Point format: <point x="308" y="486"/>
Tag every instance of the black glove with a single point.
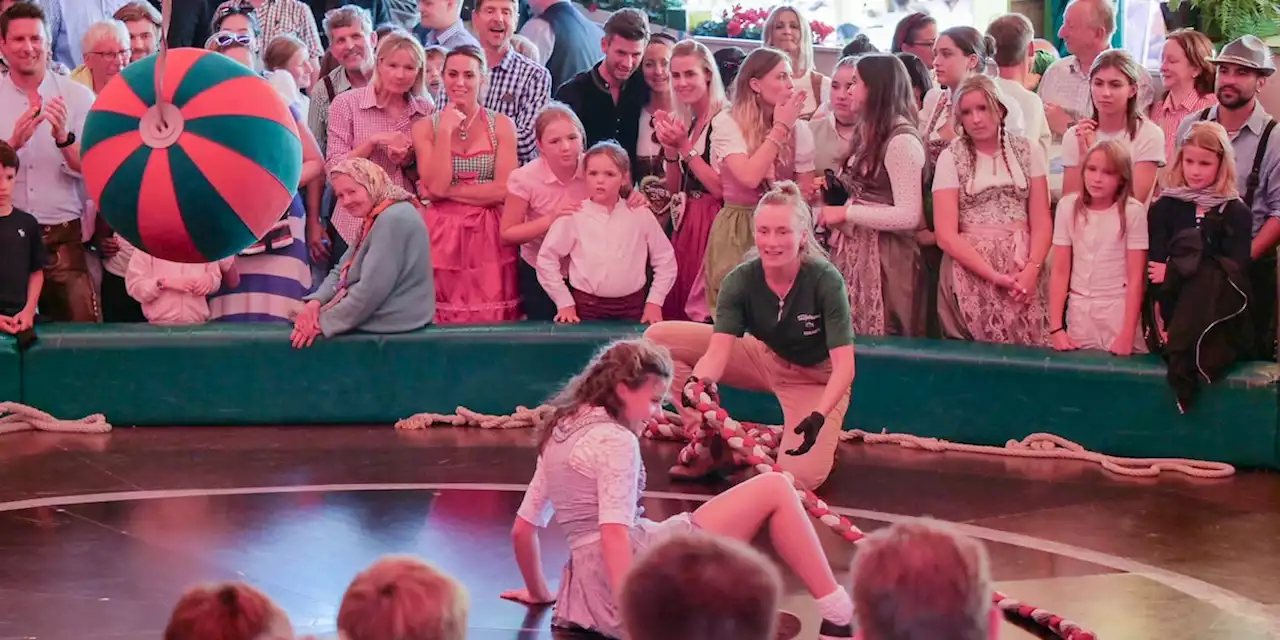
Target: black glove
<point x="708" y="387"/>
<point x="834" y="194"/>
<point x="809" y="427"/>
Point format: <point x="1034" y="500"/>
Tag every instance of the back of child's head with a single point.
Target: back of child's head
<point x="403" y="598"/>
<point x="701" y="587"/>
<point x="629" y="362"/>
<point x="1114" y="155"/>
<point x="228" y="611"/>
<point x="1212" y="137"/>
<point x="920" y="580"/>
<point x="9" y="157"/>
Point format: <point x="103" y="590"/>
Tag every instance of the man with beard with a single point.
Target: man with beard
<point x="351" y="43"/>
<point x="608" y="97"/>
<point x="42" y="115"/>
<point x="518" y="86"/>
<point x="1244" y="66"/>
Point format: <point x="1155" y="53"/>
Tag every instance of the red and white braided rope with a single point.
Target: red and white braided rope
<point x="717" y="420"/>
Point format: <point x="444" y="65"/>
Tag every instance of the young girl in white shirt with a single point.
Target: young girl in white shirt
<point x="1114" y="86"/>
<point x="608" y="244"/>
<point x="1100" y="258"/>
<point x="590" y="477"/>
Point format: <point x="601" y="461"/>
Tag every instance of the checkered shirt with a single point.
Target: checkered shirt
<point x="277" y="17"/>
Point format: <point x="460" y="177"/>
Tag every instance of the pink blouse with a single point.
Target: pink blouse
<point x="538" y="185"/>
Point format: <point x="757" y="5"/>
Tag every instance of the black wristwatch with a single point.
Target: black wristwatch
<point x="71" y="139"/>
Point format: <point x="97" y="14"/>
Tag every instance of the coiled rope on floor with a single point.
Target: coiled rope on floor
<point x="16" y="417"/>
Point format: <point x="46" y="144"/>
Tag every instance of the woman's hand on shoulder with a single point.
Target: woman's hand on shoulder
<point x="637" y="200"/>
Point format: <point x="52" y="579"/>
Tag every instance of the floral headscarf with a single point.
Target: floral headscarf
<point x="382" y="191"/>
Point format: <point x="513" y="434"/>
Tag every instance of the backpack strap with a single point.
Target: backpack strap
<point x="1251" y="185"/>
<point x="1204" y="115"/>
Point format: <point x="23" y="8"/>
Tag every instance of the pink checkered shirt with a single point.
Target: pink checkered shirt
<point x="1170" y="112"/>
<point x="355" y="117"/>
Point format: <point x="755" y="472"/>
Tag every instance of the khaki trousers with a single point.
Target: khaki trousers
<point x="754" y="367"/>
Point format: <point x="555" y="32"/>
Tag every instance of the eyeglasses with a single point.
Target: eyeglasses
<point x="229" y="38"/>
<point x="107" y="55"/>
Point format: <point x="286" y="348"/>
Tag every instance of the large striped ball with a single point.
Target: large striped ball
<point x="203" y="175"/>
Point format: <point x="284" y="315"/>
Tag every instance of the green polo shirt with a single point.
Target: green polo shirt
<point x="802" y="328"/>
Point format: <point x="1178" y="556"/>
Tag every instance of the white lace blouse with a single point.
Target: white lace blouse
<point x="609" y="454"/>
<point x="904" y="159"/>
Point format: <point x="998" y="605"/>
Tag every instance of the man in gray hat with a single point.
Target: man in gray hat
<point x="1244" y="66"/>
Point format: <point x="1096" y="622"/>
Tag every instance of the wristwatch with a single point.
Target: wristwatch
<point x="71" y="139"/>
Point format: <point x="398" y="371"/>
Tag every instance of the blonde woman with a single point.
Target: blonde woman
<point x="466" y="153"/>
<point x="783" y="326"/>
<point x="1115" y="83"/>
<point x="787" y="30"/>
<point x="759" y="140"/>
<point x="991" y="210"/>
<point x="376" y="122"/>
<point x="685" y="135"/>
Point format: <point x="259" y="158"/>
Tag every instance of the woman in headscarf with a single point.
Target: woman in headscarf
<point x="384" y="282"/>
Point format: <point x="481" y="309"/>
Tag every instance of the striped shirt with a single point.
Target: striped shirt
<point x="279" y="17"/>
<point x="1170" y="112"/>
<point x="518" y="88"/>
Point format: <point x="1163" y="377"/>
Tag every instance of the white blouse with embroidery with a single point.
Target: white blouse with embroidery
<point x="610" y="454"/>
<point x="988" y="171"/>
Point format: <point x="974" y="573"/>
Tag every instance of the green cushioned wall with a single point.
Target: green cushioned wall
<point x="10" y="370"/>
<point x="244" y="374"/>
<point x="988" y="394"/>
<point x="965" y="392"/>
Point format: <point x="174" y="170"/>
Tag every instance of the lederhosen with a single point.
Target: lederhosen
<point x="1262" y="272"/>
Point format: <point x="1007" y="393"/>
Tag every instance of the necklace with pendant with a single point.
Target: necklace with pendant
<point x="466" y="125"/>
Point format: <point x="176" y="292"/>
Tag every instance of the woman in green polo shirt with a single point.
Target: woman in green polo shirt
<point x="782" y="325"/>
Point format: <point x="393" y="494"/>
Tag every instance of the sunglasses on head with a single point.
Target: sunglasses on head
<point x="228" y="38"/>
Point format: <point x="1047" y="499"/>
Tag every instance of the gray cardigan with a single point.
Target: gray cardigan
<point x="391" y="284"/>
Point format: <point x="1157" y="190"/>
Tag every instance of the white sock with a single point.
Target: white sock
<point x="836" y="607"/>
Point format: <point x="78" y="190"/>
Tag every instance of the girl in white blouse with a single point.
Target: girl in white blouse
<point x="1099" y="258"/>
<point x="991" y="210"/>
<point x="590" y="478"/>
<point x="787" y="30"/>
<point x="757" y="141"/>
<point x="608" y="244"/>
<point x="1114" y="83"/>
<point x="873" y="218"/>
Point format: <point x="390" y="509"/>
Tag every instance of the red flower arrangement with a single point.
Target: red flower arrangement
<point x="748" y="24"/>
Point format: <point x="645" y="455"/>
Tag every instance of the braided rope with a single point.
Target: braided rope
<point x="16" y="418"/>
<point x="1047" y="445"/>
<point x="740" y="440"/>
<point x="523" y="418"/>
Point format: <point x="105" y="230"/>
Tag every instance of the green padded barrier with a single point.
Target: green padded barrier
<point x="10" y="370"/>
<point x="987" y="394"/>
<point x="965" y="392"/>
<point x="245" y="374"/>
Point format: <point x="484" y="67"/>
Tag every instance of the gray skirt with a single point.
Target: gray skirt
<point x="586" y="600"/>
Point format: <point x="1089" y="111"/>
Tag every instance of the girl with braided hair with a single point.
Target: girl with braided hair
<point x="991" y="209"/>
<point x="591" y="476"/>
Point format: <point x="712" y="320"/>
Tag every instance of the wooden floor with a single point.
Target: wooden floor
<point x="99" y="534"/>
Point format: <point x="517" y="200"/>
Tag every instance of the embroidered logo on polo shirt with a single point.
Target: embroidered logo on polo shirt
<point x="22" y="233"/>
<point x="810" y="322"/>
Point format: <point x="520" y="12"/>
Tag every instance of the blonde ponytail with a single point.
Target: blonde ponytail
<point x="787" y="194"/>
